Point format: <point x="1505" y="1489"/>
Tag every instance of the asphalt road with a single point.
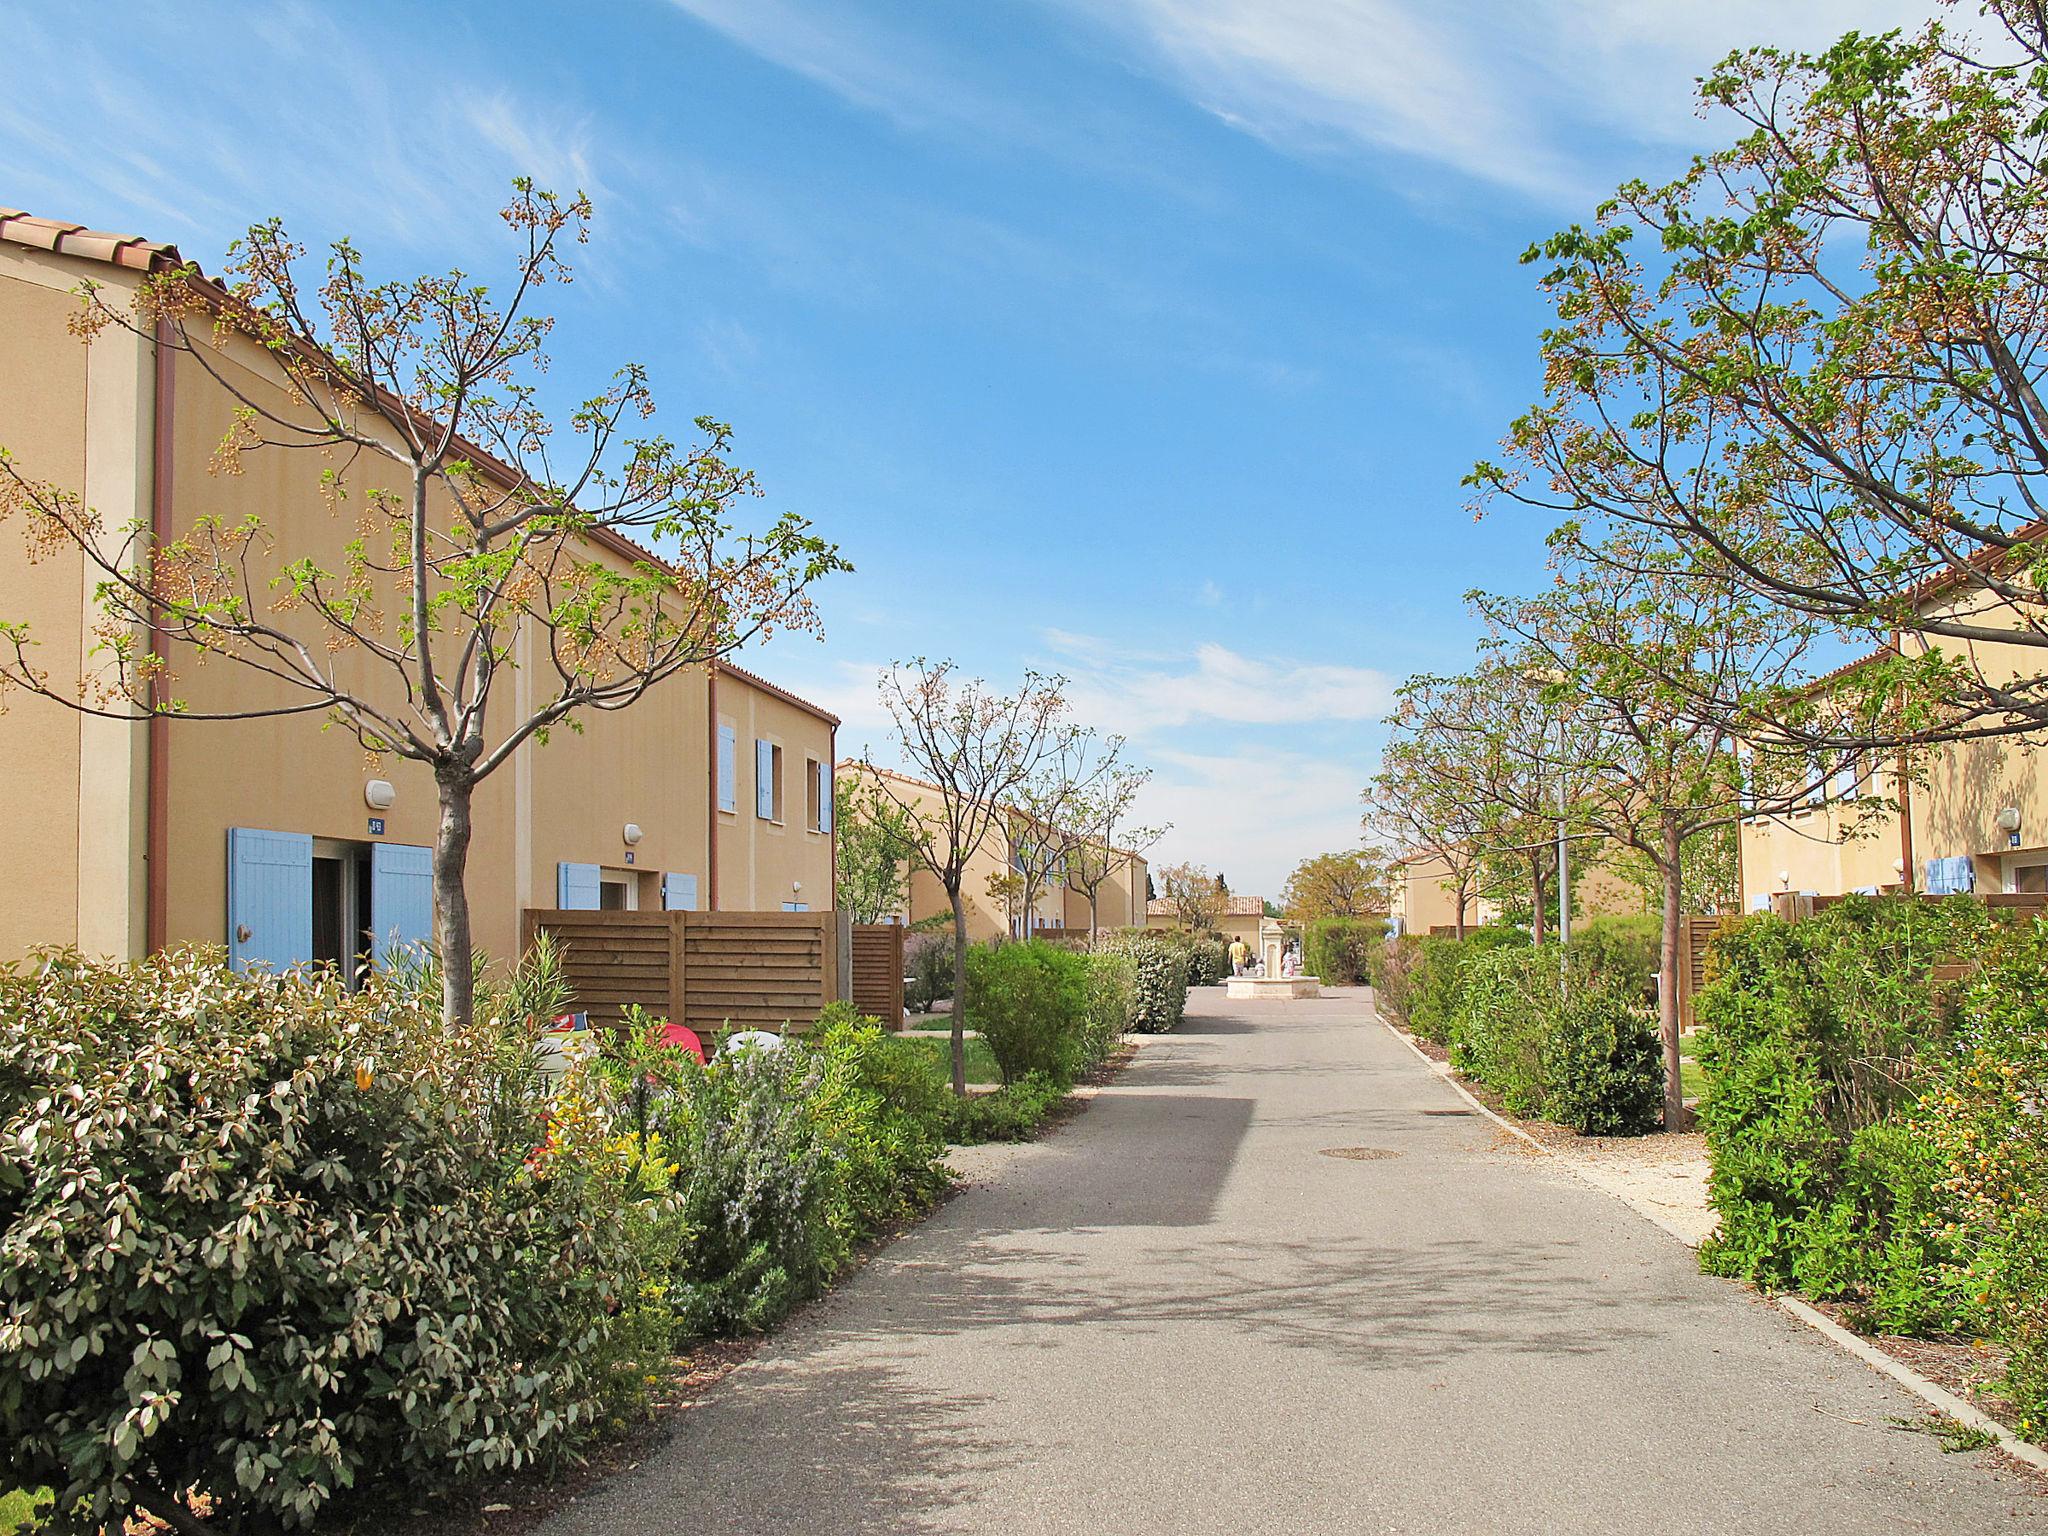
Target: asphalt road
<point x="1175" y="1315"/>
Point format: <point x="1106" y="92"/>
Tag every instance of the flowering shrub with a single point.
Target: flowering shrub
<point x="1029" y="1001"/>
<point x="271" y="1240"/>
<point x="1160" y="996"/>
<point x="1989" y="1124"/>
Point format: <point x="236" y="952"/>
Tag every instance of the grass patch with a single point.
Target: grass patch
<point x="22" y="1511"/>
<point x="1692" y="1078"/>
<point x="981" y="1061"/>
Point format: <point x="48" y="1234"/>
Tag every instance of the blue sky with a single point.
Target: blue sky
<point x="1140" y="340"/>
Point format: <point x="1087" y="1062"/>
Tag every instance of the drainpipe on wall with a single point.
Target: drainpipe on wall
<point x="711" y="799"/>
<point x="157" y="815"/>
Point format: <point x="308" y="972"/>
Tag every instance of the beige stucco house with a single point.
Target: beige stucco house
<point x="1241" y="918"/>
<point x="1424" y="897"/>
<point x="1119" y="901"/>
<point x="274" y="836"/>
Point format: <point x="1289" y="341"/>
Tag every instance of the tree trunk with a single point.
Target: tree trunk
<point x="451" y="901"/>
<point x="1460" y="919"/>
<point x="1667" y="980"/>
<point x="1093" y="895"/>
<point x="1536" y="920"/>
<point x="959" y="995"/>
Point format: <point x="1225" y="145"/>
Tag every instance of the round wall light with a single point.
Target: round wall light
<point x="1898" y="866"/>
<point x="1784" y="877"/>
<point x="2009" y="819"/>
<point x="378" y="794"/>
<point x="633" y="833"/>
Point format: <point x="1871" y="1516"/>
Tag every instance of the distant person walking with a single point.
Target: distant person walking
<point x="1239" y="954"/>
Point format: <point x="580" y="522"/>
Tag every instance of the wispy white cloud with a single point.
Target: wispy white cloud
<point x="334" y="127"/>
<point x="1499" y="92"/>
<point x="1251" y="814"/>
<point x="1138" y="692"/>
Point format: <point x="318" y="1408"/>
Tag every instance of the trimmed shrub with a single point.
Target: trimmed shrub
<point x="1559" y="1040"/>
<point x="1627" y="948"/>
<point x="271" y="1240"/>
<point x="1437" y="977"/>
<point x="1112" y="1005"/>
<point x="1394" y="965"/>
<point x="928" y="967"/>
<point x="1819" y="1040"/>
<point x="1160" y="999"/>
<point x="1030" y="1001"/>
<point x="1603" y="1063"/>
<point x="1208" y="961"/>
<point x="1340" y="949"/>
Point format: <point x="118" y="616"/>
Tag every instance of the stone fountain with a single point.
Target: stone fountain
<point x="1272" y="984"/>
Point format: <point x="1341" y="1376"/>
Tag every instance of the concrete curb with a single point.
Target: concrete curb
<point x="1933" y="1395"/>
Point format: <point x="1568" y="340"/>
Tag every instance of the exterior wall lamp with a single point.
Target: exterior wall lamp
<point x="2009" y="823"/>
<point x="633" y="833"/>
<point x="378" y="794"/>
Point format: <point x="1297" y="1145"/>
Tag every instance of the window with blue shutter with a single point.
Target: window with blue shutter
<point x="401" y="897"/>
<point x="728" y="768"/>
<point x="578" y="888"/>
<point x="270" y="898"/>
<point x="764" y="779"/>
<point x="825" y="788"/>
<point x="679" y="893"/>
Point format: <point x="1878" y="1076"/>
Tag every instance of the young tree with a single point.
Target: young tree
<point x="1051" y="807"/>
<point x="484" y="535"/>
<point x="1094" y="844"/>
<point x="1815" y="361"/>
<point x="875" y="844"/>
<point x="1191" y="891"/>
<point x="976" y="748"/>
<point x="1413" y="807"/>
<point x="1630" y="647"/>
<point x="1350" y="884"/>
<point x="1479" y="741"/>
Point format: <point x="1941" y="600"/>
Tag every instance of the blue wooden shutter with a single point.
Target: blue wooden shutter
<point x="825" y="787"/>
<point x="764" y="779"/>
<point x="728" y="768"/>
<point x="401" y="897"/>
<point x="576" y="888"/>
<point x="679" y="893"/>
<point x="270" y="898"/>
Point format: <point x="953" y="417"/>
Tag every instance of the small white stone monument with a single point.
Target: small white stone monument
<point x="1272" y="982"/>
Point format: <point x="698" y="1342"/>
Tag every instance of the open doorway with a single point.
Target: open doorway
<point x="343" y="927"/>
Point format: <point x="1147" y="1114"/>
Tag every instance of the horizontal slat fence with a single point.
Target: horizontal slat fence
<point x="751" y="970"/>
<point x="878" y="972"/>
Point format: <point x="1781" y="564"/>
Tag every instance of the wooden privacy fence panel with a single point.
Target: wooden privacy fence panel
<point x="754" y="970"/>
<point x="1694" y="935"/>
<point x="878" y="972"/>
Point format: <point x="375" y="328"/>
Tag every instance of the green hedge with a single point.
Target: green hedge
<point x="1876" y="1131"/>
<point x="1208" y="961"/>
<point x="1340" y="949"/>
<point x="1560" y="1040"/>
<point x="1160" y="999"/>
<point x="1435" y="980"/>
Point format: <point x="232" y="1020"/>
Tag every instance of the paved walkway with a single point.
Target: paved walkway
<point x="1176" y="1316"/>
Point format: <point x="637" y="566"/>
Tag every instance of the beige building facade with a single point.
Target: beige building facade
<point x="1242" y="918"/>
<point x="1120" y="900"/>
<point x="275" y="836"/>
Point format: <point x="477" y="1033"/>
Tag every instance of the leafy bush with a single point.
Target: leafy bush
<point x="1112" y="1005"/>
<point x="1988" y="1127"/>
<point x="1012" y="1113"/>
<point x="883" y="1123"/>
<point x="1624" y="947"/>
<point x="1208" y="961"/>
<point x="1436" y="979"/>
<point x="271" y="1240"/>
<point x="928" y="969"/>
<point x="1029" y="1001"/>
<point x="1558" y="1039"/>
<point x="1394" y="968"/>
<point x="1819" y="1040"/>
<point x="1160" y="999"/>
<point x="1603" y="1063"/>
<point x="1340" y="949"/>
